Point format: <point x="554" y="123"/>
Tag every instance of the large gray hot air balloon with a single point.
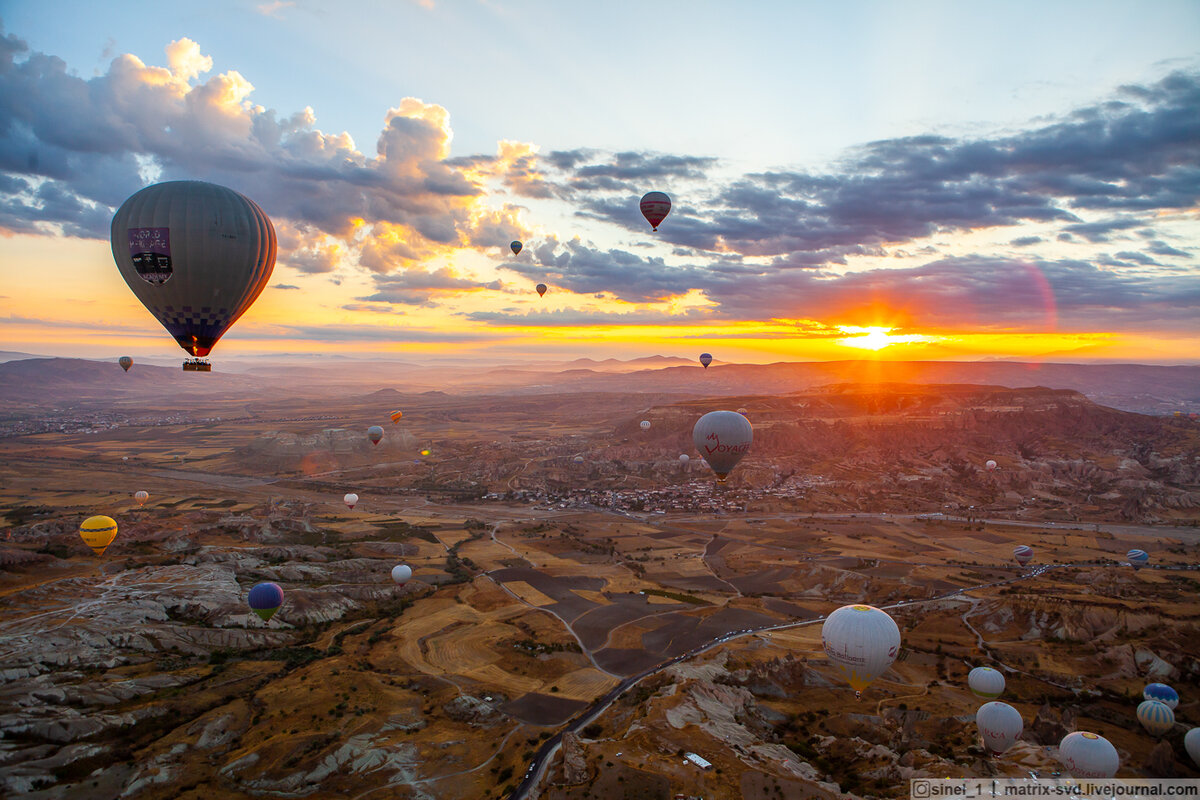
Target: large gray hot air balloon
<point x="196" y="254"/>
<point x="722" y="437"/>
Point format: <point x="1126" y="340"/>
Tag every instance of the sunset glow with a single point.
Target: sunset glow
<point x="936" y="230"/>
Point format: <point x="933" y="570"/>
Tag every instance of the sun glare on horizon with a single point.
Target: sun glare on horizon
<point x="876" y="338"/>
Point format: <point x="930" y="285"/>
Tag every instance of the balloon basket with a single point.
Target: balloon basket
<point x="197" y="365"/>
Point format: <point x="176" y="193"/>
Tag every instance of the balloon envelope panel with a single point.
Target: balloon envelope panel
<point x="196" y="254"/>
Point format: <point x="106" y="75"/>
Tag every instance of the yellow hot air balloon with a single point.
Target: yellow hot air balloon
<point x="396" y="415"/>
<point x="98" y="533"/>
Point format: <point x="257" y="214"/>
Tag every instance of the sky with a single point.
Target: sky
<point x="900" y="180"/>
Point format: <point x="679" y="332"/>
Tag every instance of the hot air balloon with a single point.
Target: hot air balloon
<point x="986" y="682"/>
<point x="990" y="465"/>
<point x="1138" y="558"/>
<point x="1157" y="718"/>
<point x="999" y="726"/>
<point x="401" y="574"/>
<point x="374" y="433"/>
<point x="126" y="362"/>
<point x="743" y="411"/>
<point x="644" y="424"/>
<point x="722" y="437"/>
<point x="578" y="459"/>
<point x="684" y="460"/>
<point x="1088" y="755"/>
<point x="541" y="289"/>
<point x="196" y="254"/>
<point x="515" y="246"/>
<point x="396" y="416"/>
<point x="265" y="599"/>
<point x="426" y="451"/>
<point x="350" y="500"/>
<point x="705" y="359"/>
<point x="1191" y="743"/>
<point x="655" y="207"/>
<point x="98" y="533"/>
<point x="1023" y="553"/>
<point x="862" y="642"/>
<point x="1162" y="693"/>
<point x="141" y="497"/>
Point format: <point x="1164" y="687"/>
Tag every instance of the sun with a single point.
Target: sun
<point x="875" y="338"/>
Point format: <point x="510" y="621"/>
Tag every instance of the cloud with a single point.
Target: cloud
<point x="375" y="333"/>
<point x="284" y="286"/>
<point x="72" y="149"/>
<point x="417" y="287"/>
<point x="274" y="8"/>
<point x="1026" y="241"/>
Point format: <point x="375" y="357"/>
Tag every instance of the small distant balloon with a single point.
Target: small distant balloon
<point x="655" y="207"/>
<point x="98" y="533"/>
<point x="396" y="415"/>
<point x="684" y="459"/>
<point x="644" y="425"/>
<point x="401" y="574"/>
<point x="985" y="682"/>
<point x="541" y="289"/>
<point x="374" y="433"/>
<point x="126" y="362"/>
<point x="265" y="599"/>
<point x="1023" y="553"/>
<point x="515" y="246"/>
<point x="1157" y="718"/>
<point x="999" y="726"/>
<point x="705" y="359"/>
<point x="578" y="459"/>
<point x="1162" y="693"/>
<point x="1138" y="558"/>
<point x="350" y="500"/>
<point x="991" y="465"/>
<point x="426" y="451"/>
<point x="141" y="497"/>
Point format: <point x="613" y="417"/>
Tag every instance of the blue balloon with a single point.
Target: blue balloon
<point x="265" y="599"/>
<point x="1162" y="693"/>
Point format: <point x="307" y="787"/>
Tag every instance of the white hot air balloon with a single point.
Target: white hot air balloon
<point x="986" y="682"/>
<point x="401" y="573"/>
<point x="1000" y="726"/>
<point x="350" y="500"/>
<point x="1191" y="742"/>
<point x="862" y="642"/>
<point x="1157" y="718"/>
<point x="141" y="497"/>
<point x="684" y="460"/>
<point x="722" y="437"/>
<point x="991" y="465"/>
<point x="644" y="425"/>
<point x="1088" y="755"/>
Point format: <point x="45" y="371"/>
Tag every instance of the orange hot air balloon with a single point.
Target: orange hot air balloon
<point x="541" y="289"/>
<point x="655" y="207"/>
<point x="98" y="533"/>
<point x="126" y="362"/>
<point x="396" y="415"/>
